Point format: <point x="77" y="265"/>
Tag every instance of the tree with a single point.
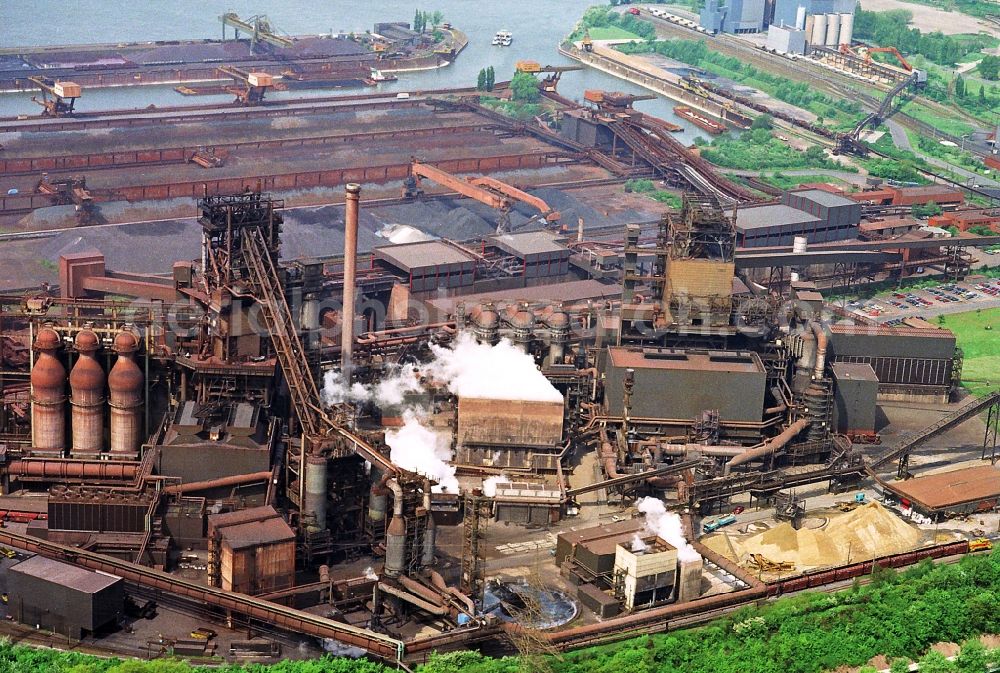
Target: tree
<point x="899" y="666"/>
<point x="525" y="88"/>
<point x="982" y="94"/>
<point x="436" y="18"/>
<point x="935" y="662"/>
<point x="491" y="78"/>
<point x="481" y="80"/>
<point x="416" y="21"/>
<point x="972" y="658"/>
<point x="989" y="67"/>
<point x="960" y="87"/>
<point x="763" y="122"/>
<point x="929" y="209"/>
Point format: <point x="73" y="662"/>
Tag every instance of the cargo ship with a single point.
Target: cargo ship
<point x="699" y="120"/>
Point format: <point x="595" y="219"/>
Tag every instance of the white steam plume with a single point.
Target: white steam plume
<point x="666" y="525"/>
<point x="638" y="544"/>
<point x="390" y="390"/>
<point x="500" y="372"/>
<point x="417" y="448"/>
<point x="490" y="484"/>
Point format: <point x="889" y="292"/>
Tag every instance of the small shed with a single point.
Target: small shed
<point x="251" y="551"/>
<point x="64" y="598"/>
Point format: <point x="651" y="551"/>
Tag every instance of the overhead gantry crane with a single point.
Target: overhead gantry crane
<point x="250" y="86"/>
<point x="258" y="27"/>
<point x="63" y="96"/>
<point x="553" y="73"/>
<point x="496" y="194"/>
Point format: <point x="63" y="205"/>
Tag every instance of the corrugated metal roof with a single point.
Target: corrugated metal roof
<point x="854" y="371"/>
<point x="882" y="330"/>
<point x="253" y="534"/>
<point x="409" y="256"/>
<point x="890" y="224"/>
<point x="771" y="215"/>
<point x="529" y="243"/>
<point x="825" y="198"/>
<point x="950" y="489"/>
<point x="65" y="574"/>
<point x="719" y="361"/>
<point x="568" y="292"/>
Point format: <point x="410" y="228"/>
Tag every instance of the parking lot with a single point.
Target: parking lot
<point x="892" y="308"/>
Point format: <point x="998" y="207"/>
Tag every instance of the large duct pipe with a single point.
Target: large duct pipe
<point x="48" y="394"/>
<point x="430" y="529"/>
<point x="309" y="317"/>
<point x="221" y="482"/>
<point x="820" y="367"/>
<point x="609" y="457"/>
<point x="315" y="500"/>
<point x="57" y="469"/>
<point x="350" y="275"/>
<point x="770" y="446"/>
<point x="125" y="384"/>
<point x="86" y="382"/>
<point x="395" y="537"/>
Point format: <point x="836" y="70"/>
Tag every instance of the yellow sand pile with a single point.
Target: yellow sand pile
<point x="866" y="532"/>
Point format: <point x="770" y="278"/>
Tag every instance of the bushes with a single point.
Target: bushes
<point x="892" y="28"/>
<point x="757" y="149"/>
<point x="605" y="17"/>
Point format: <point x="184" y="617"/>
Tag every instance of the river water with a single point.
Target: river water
<point x="537" y="26"/>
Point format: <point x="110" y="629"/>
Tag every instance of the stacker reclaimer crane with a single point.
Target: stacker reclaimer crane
<point x="552" y="72"/>
<point x="63" y="96"/>
<point x="250" y="86"/>
<point x="494" y="193"/>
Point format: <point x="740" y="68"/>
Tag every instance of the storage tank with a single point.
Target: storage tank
<point x="818" y="37"/>
<point x="846" y="28"/>
<point x="48" y="394"/>
<point x="86" y="382"/>
<point x="315" y="500"/>
<point x="832" y="30"/>
<point x="125" y="384"/>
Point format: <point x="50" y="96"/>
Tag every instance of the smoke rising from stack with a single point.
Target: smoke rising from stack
<point x="667" y="526"/>
<point x="637" y="544"/>
<point x="467" y="369"/>
<point x="500" y="372"/>
<point x="490" y="484"/>
<point x="418" y="448"/>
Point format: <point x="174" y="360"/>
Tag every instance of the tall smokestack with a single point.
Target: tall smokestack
<point x="350" y="275"/>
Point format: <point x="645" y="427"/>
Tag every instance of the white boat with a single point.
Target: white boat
<point x="503" y="38"/>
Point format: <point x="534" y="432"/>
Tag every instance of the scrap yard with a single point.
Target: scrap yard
<point x="384" y="374"/>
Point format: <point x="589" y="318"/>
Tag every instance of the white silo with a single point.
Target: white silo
<point x="846" y="28"/>
<point x="819" y="30"/>
<point x="800" y="18"/>
<point x="832" y="30"/>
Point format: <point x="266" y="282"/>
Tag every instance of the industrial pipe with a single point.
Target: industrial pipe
<point x="73" y="469"/>
<point x="609" y="457"/>
<point x="820" y="349"/>
<point x="770" y="446"/>
<point x="350" y="275"/>
<point x="234" y="480"/>
<point x="395" y="537"/>
<point x="378" y="497"/>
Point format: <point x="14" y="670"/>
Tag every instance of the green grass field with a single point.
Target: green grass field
<point x="611" y="33"/>
<point x="981" y="346"/>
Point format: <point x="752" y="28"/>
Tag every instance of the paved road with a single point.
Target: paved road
<point x="899" y="137"/>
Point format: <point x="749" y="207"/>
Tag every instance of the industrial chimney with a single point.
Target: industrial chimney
<point x="48" y="394"/>
<point x="86" y="381"/>
<point x="350" y="275"/>
<point x="125" y="383"/>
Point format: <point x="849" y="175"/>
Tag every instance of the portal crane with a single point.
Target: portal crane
<point x="258" y="27"/>
<point x="63" y="96"/>
<point x="490" y="191"/>
<point x="550" y="82"/>
<point x="71" y="190"/>
<point x="250" y="86"/>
